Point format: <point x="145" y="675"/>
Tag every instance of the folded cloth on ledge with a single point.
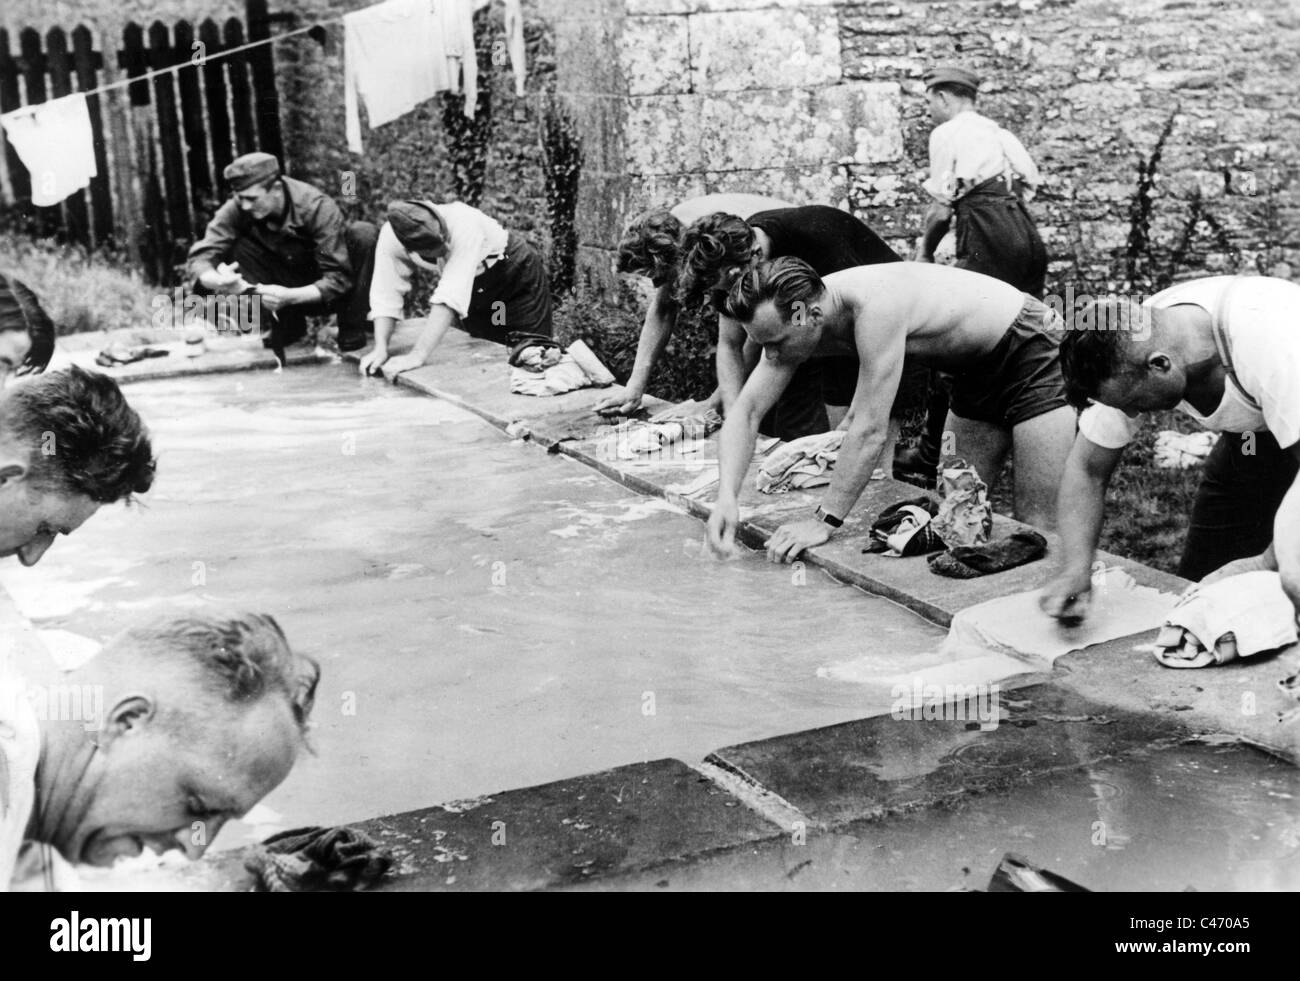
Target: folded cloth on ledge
<point x="318" y="859"/>
<point x="972" y="561"/>
<point x="800" y="463"/>
<point x="965" y="516"/>
<point x="566" y="375"/>
<point x="1016" y="626"/>
<point x="1182" y="450"/>
<point x="1234" y="617"/>
<point x="697" y="420"/>
<point x="906" y="529"/>
<point x="649" y="437"/>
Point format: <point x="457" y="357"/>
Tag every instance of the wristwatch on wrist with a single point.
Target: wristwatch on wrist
<point x="826" y="518"/>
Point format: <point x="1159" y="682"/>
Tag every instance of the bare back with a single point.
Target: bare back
<point x="950" y="316"/>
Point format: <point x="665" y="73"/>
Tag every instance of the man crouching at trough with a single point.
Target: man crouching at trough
<point x="999" y="343"/>
<point x="185" y="723"/>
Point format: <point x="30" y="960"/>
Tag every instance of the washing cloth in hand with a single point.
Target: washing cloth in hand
<point x="1015" y="625"/>
<point x="318" y="859"/>
<point x="906" y="529"/>
<point x="1182" y="450"/>
<point x="566" y="375"/>
<point x="1234" y="617"/>
<point x="973" y="561"/>
<point x="800" y="463"/>
<point x="54" y="140"/>
<point x="965" y="517"/>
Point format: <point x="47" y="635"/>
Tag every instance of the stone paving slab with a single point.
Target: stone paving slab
<point x="619" y="820"/>
<point x="873" y="768"/>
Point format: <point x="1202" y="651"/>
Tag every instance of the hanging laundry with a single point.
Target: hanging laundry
<point x="515" y="43"/>
<point x="455" y="19"/>
<point x="1235" y="617"/>
<point x="55" y="142"/>
<point x="393" y="60"/>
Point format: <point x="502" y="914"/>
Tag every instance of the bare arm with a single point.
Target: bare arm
<point x="1286" y="540"/>
<point x="867" y="428"/>
<point x="938" y="218"/>
<point x="736" y="446"/>
<point x="656" y="331"/>
<point x="1087" y="474"/>
<point x="730" y="360"/>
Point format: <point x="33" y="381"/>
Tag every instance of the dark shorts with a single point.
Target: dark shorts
<point x="840" y="381"/>
<point x="513" y="295"/>
<point x="800" y="411"/>
<point x="1242" y="486"/>
<point x="1021" y="377"/>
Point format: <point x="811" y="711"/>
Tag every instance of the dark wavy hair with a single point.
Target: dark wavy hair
<point x="21" y="310"/>
<point x="710" y="246"/>
<point x="1096" y="348"/>
<point x="82" y="435"/>
<point x="651" y="246"/>
<point x="785" y="282"/>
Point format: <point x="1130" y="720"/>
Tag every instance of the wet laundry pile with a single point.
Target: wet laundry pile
<point x="802" y="463"/>
<point x="958" y="529"/>
<point x="317" y="860"/>
<point x="683" y="427"/>
<point x="1178" y="451"/>
<point x="1237" y="617"/>
<point x="541" y="367"/>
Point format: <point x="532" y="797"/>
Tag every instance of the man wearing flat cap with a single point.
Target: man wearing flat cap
<point x="286" y="242"/>
<point x="491" y="282"/>
<point x="978" y="172"/>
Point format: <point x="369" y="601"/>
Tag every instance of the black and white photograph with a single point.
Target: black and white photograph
<point x="650" y="446"/>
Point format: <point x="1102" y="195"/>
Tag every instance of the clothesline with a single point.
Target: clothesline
<point x="154" y="73"/>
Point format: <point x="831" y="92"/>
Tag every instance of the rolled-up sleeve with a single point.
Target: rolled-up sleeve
<point x="456" y="286"/>
<point x="217" y="243"/>
<point x="392" y="279"/>
<point x="942" y="182"/>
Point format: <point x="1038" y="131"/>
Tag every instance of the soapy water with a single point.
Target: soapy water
<point x="487" y="616"/>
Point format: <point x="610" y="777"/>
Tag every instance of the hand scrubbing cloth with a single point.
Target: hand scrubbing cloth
<point x="694" y="417"/>
<point x="1014" y="625"/>
<point x="800" y="463"/>
<point x="1234" y="617"/>
<point x="906" y="529"/>
<point x="318" y="859"/>
<point x="973" y="561"/>
<point x="1182" y="450"/>
<point x="965" y="517"/>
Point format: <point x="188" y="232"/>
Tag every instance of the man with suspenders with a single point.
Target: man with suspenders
<point x="1226" y="350"/>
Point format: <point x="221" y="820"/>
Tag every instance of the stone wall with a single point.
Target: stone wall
<point x="1167" y="129"/>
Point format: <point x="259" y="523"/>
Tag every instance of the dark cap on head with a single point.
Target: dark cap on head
<point x="416" y="226"/>
<point x="252" y="168"/>
<point x="952" y="74"/>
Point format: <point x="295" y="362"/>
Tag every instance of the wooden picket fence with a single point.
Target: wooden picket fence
<point x="161" y="143"/>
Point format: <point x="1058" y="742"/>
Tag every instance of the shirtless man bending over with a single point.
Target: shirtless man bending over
<point x="999" y="343"/>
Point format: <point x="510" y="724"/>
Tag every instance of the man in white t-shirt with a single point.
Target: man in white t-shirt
<point x="1225" y="350"/>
